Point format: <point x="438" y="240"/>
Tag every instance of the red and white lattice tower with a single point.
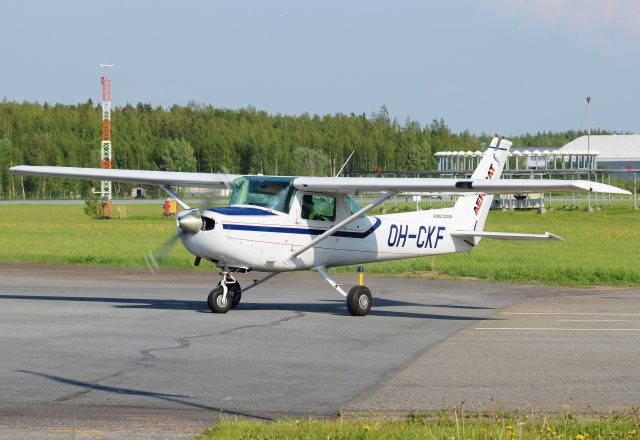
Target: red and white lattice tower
<point x="105" y="145"/>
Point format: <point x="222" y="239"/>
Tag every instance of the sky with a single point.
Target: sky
<point x="505" y="66"/>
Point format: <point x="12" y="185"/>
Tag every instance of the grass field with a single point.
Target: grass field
<point x="441" y="426"/>
<point x="601" y="248"/>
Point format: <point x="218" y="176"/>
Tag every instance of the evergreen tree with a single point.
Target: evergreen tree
<point x="200" y="137"/>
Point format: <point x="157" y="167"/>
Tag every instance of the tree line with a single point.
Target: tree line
<point x="204" y="138"/>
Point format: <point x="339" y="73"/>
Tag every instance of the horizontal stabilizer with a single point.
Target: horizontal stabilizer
<point x="505" y="235"/>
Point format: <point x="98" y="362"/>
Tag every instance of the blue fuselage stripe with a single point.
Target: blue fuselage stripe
<point x="302" y="231"/>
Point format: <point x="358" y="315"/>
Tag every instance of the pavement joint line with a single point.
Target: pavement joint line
<point x="593" y="320"/>
<point x="570" y="313"/>
<point x="562" y="329"/>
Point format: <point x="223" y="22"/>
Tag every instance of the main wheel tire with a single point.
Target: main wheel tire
<point x="216" y="301"/>
<point x="236" y="295"/>
<point x="359" y="300"/>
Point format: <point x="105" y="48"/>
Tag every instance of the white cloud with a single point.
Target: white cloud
<point x="603" y="23"/>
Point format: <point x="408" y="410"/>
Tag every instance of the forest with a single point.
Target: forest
<point x="204" y="138"/>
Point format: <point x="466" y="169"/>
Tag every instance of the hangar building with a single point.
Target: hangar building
<point x="613" y="152"/>
<point x="616" y="152"/>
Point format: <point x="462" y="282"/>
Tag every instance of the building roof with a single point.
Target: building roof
<point x="616" y="147"/>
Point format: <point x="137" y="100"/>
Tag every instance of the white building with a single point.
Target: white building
<point x="521" y="158"/>
<point x="139" y="192"/>
<point x="615" y="151"/>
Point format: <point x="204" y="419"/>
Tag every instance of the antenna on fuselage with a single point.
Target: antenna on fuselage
<point x="345" y="163"/>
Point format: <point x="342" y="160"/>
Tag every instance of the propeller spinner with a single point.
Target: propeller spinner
<point x="190" y="221"/>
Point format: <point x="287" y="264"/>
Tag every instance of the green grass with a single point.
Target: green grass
<point x="63" y="234"/>
<point x="601" y="248"/>
<point x="444" y="425"/>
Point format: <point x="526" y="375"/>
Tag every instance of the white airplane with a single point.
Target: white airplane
<point x="277" y="224"/>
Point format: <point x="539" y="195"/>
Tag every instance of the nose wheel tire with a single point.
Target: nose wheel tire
<point x="235" y="294"/>
<point x="359" y="300"/>
<point x="216" y="301"/>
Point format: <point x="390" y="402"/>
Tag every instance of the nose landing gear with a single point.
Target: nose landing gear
<point x="226" y="295"/>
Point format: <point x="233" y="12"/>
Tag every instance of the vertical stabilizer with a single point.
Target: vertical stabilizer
<point x="471" y="211"/>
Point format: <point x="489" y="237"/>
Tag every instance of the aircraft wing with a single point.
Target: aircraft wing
<point x="204" y="180"/>
<point x="351" y="185"/>
<point x="343" y="185"/>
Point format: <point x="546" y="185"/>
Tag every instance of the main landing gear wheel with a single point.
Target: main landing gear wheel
<point x="359" y="300"/>
<point x="217" y="302"/>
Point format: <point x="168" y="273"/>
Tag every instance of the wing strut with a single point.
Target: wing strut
<point x="169" y="191"/>
<point x="329" y="232"/>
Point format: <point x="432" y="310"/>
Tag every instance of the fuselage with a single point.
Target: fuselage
<point x="259" y="238"/>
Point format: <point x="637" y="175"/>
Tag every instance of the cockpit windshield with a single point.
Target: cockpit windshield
<point x="268" y="192"/>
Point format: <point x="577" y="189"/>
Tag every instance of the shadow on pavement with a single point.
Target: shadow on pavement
<point x="337" y="306"/>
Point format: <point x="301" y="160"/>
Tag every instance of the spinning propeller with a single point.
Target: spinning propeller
<point x="189" y="221"/>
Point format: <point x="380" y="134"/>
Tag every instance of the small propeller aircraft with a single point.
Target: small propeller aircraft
<point x="277" y="224"/>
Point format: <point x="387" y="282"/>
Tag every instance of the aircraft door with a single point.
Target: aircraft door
<point x="316" y="214"/>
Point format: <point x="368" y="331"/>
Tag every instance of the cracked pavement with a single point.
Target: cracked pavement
<point x="140" y="355"/>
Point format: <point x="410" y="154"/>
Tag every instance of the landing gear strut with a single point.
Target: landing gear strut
<point x="359" y="298"/>
<point x="226" y="295"/>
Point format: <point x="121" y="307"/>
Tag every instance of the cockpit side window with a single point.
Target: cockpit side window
<point x="318" y="207"/>
<point x="269" y="192"/>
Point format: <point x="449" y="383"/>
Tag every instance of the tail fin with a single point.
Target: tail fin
<point x="471" y="211"/>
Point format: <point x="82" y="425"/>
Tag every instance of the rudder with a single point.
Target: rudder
<point x="471" y="211"/>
